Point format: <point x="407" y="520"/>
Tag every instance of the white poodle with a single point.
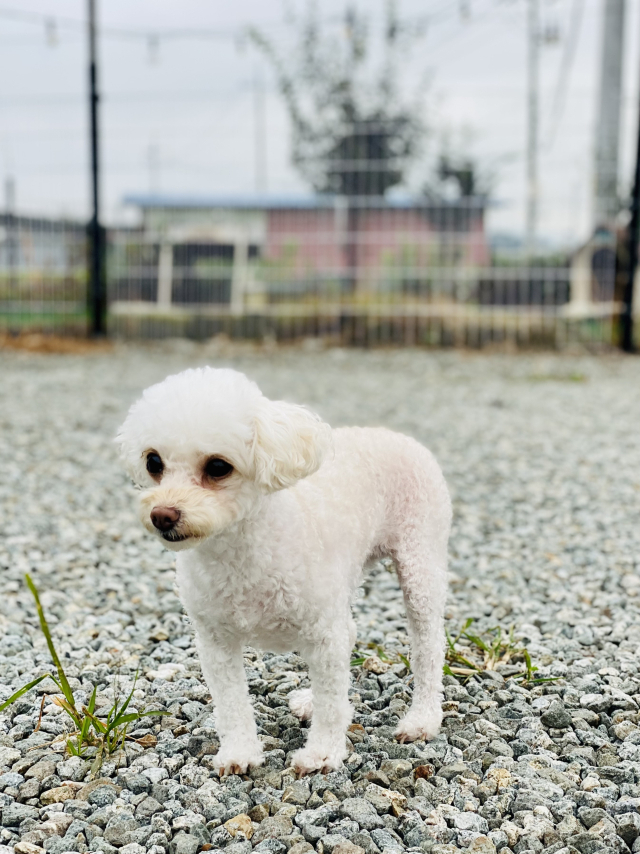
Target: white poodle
<point x="274" y="516"/>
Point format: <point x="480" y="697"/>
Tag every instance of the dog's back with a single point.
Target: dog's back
<point x="380" y="482"/>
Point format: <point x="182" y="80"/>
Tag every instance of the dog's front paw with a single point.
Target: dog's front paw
<point x="323" y="759"/>
<point x="418" y="724"/>
<point x="236" y="757"/>
<point x="301" y="703"/>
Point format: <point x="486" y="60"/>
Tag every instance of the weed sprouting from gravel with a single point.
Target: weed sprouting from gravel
<point x="108" y="734"/>
<point x="468" y="654"/>
<point x="376" y="650"/>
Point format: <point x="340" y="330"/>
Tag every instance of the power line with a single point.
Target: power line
<point x="128" y="97"/>
<point x="559" y="100"/>
<point x="117" y="32"/>
<point x="180" y="33"/>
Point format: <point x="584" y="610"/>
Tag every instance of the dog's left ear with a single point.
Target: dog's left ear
<point x="289" y="444"/>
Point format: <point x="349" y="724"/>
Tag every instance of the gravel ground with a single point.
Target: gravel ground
<point x="542" y="454"/>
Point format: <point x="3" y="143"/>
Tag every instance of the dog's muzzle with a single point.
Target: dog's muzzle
<point x="165" y="519"/>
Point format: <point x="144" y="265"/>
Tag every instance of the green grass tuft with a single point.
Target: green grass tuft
<point x="486" y="652"/>
<point x="107" y="734"/>
<point x="358" y="657"/>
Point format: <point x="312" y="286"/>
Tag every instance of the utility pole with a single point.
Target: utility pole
<point x="153" y="164"/>
<point x="12" y="230"/>
<point x="97" y="285"/>
<point x="260" y="133"/>
<point x="608" y="117"/>
<point x="533" y="64"/>
<point x="9" y="194"/>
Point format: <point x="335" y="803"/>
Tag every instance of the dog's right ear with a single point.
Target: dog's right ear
<point x="290" y="442"/>
<point x="126" y="457"/>
<point x="128" y="444"/>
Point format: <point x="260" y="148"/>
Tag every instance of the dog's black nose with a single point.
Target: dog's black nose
<point x="165" y="518"/>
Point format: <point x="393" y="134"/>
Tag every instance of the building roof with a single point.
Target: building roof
<point x="263" y="201"/>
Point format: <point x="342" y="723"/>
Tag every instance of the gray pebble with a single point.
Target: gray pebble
<point x="362" y="812"/>
<point x="271" y="846"/>
<point x="184" y="843"/>
<point x="556" y="716"/>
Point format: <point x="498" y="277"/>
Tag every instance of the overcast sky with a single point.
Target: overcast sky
<point x="180" y="119"/>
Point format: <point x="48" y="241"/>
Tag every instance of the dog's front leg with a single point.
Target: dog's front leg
<point x="326" y="748"/>
<point x="223" y="671"/>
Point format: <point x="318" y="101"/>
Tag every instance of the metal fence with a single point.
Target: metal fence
<point x="392" y="244"/>
<point x="364" y="271"/>
<point x="43" y="275"/>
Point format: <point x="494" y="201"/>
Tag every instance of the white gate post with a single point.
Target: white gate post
<point x="165" y="275"/>
<point x="239" y="275"/>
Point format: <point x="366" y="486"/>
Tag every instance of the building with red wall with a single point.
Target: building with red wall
<point x="274" y="247"/>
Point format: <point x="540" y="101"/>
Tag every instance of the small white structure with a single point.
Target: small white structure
<point x="592" y="278"/>
<point x="228" y="227"/>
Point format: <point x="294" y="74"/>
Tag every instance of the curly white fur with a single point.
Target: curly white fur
<point x="272" y="555"/>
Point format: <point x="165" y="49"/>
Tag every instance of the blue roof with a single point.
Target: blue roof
<point x="250" y="201"/>
<point x="262" y="201"/>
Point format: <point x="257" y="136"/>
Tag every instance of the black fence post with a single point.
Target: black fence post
<point x="626" y="317"/>
<point x="97" y="294"/>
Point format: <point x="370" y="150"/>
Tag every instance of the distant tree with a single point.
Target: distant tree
<point x="353" y="132"/>
<point x="456" y="178"/>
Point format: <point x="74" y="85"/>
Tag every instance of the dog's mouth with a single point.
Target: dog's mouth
<point x="174" y="537"/>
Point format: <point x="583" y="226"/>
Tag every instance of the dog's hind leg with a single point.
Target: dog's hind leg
<point x="422" y="570"/>
<point x="301" y="702"/>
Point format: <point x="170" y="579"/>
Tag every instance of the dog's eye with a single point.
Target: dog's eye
<point x="217" y="468"/>
<point x="154" y="463"/>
